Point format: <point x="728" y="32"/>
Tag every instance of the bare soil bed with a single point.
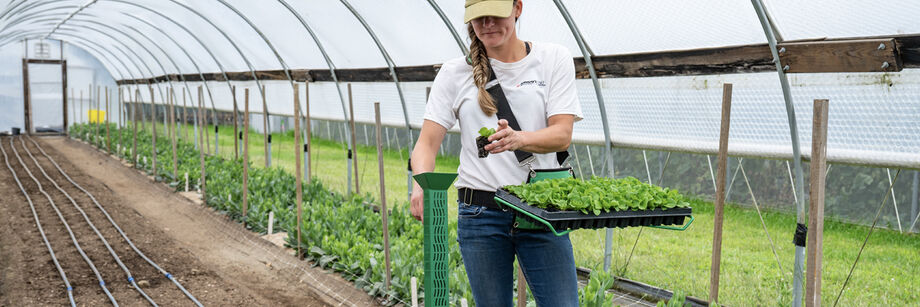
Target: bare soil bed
<point x="218" y="261"/>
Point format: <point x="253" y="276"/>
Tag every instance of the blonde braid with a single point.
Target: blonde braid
<point x="481" y="72"/>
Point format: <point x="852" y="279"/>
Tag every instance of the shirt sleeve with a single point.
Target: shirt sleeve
<point x="439" y="107"/>
<point x="563" y="96"/>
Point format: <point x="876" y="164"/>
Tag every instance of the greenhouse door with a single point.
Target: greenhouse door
<point x="44" y="83"/>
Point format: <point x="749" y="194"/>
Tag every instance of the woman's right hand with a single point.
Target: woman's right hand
<point x="417" y="203"/>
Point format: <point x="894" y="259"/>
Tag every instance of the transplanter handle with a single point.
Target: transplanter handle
<point x="434" y="186"/>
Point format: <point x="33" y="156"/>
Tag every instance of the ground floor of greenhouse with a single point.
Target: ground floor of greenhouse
<point x="219" y="262"/>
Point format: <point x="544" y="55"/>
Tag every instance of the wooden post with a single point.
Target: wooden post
<point x="236" y="141"/>
<point x="204" y="122"/>
<point x="108" y="140"/>
<point x="172" y="132"/>
<point x="720" y="194"/>
<point x="297" y="173"/>
<point x="309" y="138"/>
<point x="64" y="90"/>
<point x="815" y="245"/>
<point x="521" y="286"/>
<point x="137" y="95"/>
<point x="73" y="108"/>
<point x="153" y="126"/>
<point x="265" y="133"/>
<point x="354" y="145"/>
<point x="184" y="116"/>
<point x="245" y="154"/>
<point x="383" y="197"/>
<point x="204" y="198"/>
<point x="26" y="97"/>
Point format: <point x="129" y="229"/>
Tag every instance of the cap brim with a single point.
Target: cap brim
<point x="500" y="9"/>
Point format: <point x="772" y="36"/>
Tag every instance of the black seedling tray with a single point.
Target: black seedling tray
<point x="570" y="220"/>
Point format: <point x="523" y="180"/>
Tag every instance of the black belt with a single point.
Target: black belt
<point x="478" y="197"/>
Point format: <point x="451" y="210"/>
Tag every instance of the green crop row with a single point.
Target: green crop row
<point x="339" y="232"/>
<point x="599" y="194"/>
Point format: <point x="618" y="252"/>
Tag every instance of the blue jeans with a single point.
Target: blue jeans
<point x="488" y="244"/>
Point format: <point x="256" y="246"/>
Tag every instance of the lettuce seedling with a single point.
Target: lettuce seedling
<point x="483" y="139"/>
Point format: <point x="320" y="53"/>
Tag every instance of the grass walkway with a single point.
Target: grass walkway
<point x="888" y="273"/>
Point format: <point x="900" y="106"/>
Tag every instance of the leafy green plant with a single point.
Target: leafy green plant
<point x="486" y="132"/>
<point x="597" y="195"/>
<point x="595" y="294"/>
<point x="678" y="299"/>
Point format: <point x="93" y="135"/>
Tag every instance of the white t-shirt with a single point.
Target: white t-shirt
<point x="540" y="85"/>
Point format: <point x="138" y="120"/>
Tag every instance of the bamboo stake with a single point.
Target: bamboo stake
<point x="73" y="108"/>
<point x="204" y="198"/>
<point x="521" y="286"/>
<point x="720" y="195"/>
<point x="153" y="125"/>
<point x="383" y="197"/>
<point x="236" y="141"/>
<point x="81" y="107"/>
<point x="245" y="154"/>
<point x="266" y="136"/>
<point x="204" y="122"/>
<point x="815" y="245"/>
<point x="351" y="119"/>
<point x="297" y="174"/>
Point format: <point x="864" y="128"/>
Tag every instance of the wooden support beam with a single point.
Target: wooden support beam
<point x="720" y="194"/>
<point x="354" y="145"/>
<point x="869" y="55"/>
<point x="44" y="61"/>
<point x="26" y="98"/>
<point x="815" y="245"/>
<point x="64" y="93"/>
<point x="849" y="54"/>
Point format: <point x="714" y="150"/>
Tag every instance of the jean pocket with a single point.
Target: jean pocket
<point x="469" y="211"/>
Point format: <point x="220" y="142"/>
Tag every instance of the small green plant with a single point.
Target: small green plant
<point x="483" y="139"/>
<point x="595" y="293"/>
<point x="678" y="299"/>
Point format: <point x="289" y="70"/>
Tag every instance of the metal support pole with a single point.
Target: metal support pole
<point x="608" y="150"/>
<point x="798" y="266"/>
<point x="913" y="200"/>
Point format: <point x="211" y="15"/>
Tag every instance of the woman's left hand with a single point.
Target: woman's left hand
<point x="505" y="139"/>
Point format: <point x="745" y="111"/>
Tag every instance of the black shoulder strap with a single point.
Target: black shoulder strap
<point x="505" y="112"/>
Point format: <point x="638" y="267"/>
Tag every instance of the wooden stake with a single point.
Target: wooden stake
<point x="172" y="132"/>
<point x="720" y="194"/>
<point x="184" y="116"/>
<point x="815" y="245"/>
<point x="153" y="126"/>
<point x="203" y="180"/>
<point x="265" y="133"/>
<point x="137" y="95"/>
<point x="108" y="141"/>
<point x="236" y="141"/>
<point x="354" y="146"/>
<point x="309" y="138"/>
<point x="297" y="173"/>
<point x="245" y="154"/>
<point x="204" y="122"/>
<point x="73" y="109"/>
<point x="383" y="196"/>
<point x="521" y="286"/>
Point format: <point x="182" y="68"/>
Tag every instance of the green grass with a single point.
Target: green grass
<point x="888" y="273"/>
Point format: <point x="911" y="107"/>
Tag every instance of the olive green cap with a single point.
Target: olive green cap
<point x="480" y="8"/>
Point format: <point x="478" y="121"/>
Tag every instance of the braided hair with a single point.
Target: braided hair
<point x="481" y="72"/>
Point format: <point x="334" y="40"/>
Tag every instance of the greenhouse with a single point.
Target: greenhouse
<point x="459" y="153"/>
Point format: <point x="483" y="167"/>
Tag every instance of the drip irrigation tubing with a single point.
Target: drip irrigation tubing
<point x="91" y="225"/>
<point x="122" y="233"/>
<point x="67" y="226"/>
<point x="41" y="230"/>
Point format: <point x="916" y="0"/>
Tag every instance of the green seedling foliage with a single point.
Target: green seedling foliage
<point x="599" y="194"/>
<point x="486" y="132"/>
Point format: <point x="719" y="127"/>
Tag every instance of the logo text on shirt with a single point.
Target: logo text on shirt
<point x="532" y="82"/>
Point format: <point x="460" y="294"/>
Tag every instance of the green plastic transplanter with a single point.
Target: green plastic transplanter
<point x="435" y="187"/>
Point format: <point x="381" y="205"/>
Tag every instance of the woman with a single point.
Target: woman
<point x="538" y="80"/>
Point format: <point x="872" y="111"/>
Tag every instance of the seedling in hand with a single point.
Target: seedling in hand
<point x="483" y="139"/>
